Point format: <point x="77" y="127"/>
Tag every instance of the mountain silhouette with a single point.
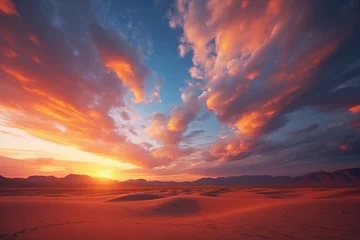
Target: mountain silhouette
<point x="339" y="177"/>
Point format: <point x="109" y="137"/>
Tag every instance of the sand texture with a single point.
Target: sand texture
<point x="183" y="213"/>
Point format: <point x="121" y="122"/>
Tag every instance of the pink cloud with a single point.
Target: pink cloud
<point x="169" y="131"/>
<point x="172" y="152"/>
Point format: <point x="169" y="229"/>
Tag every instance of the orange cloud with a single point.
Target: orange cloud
<point x="170" y="130"/>
<point x="355" y="109"/>
<point x="229" y="148"/>
<point x="8" y="7"/>
<point x="249" y="123"/>
<point x="252" y="75"/>
<point x="16" y="75"/>
<point x="56" y="95"/>
<point x="125" y="63"/>
<point x="34" y="39"/>
<point x="125" y="73"/>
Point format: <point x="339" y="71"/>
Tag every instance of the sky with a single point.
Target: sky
<point x="178" y="90"/>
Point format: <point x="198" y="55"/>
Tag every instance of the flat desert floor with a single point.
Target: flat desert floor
<point x="192" y="213"/>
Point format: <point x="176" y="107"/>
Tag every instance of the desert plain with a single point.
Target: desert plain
<point x="183" y="213"/>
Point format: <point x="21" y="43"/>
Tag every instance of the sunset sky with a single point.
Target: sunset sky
<point x="178" y="90"/>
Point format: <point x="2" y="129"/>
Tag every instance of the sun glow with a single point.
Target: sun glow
<point x="105" y="173"/>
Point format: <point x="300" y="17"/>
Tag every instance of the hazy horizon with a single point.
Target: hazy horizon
<point x="164" y="180"/>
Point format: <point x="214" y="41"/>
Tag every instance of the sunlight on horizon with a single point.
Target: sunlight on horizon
<point x="18" y="144"/>
<point x="105" y="173"/>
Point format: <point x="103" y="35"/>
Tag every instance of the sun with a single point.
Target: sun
<point x="105" y="173"/>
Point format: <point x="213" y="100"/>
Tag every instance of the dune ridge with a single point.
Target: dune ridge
<point x="135" y="197"/>
<point x="181" y="213"/>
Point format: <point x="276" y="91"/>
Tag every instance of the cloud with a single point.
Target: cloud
<point x="261" y="58"/>
<point x="182" y="116"/>
<point x="261" y="61"/>
<point x="7" y="7"/>
<point x="67" y="71"/>
<point x="230" y="149"/>
<point x="63" y="73"/>
<point x="169" y="131"/>
<point x="355" y="109"/>
<point x="10" y="134"/>
<point x="331" y="148"/>
<point x="159" y="131"/>
<point x="125" y="116"/>
<point x="156" y="91"/>
<point x="118" y="57"/>
<point x="172" y="152"/>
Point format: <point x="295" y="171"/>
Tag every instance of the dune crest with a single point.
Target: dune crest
<point x="136" y="197"/>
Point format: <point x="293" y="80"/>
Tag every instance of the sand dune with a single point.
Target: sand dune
<point x="57" y="195"/>
<point x="209" y="213"/>
<point x="215" y="192"/>
<point x="135" y="197"/>
<point x="178" y="206"/>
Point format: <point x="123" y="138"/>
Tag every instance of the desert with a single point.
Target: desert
<point x="179" y="119"/>
<point x="181" y="213"/>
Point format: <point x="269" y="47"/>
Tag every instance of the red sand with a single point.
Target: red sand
<point x="181" y="213"/>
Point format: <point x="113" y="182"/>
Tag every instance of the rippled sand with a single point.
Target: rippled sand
<point x="181" y="213"/>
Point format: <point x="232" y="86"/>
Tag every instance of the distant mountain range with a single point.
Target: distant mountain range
<point x="71" y="180"/>
<point x="321" y="178"/>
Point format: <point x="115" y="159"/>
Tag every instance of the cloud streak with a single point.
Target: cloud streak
<point x="62" y="75"/>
